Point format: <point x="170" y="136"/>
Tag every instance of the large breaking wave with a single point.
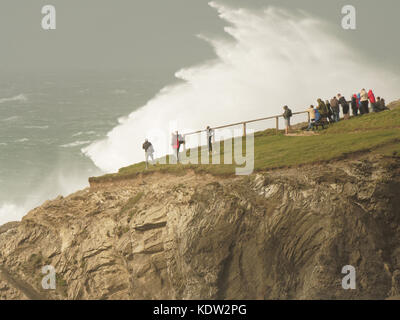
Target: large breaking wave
<point x="274" y="58"/>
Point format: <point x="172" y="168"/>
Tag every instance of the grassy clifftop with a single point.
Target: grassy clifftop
<point x="375" y="132"/>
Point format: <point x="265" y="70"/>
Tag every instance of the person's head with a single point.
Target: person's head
<point x="339" y="95"/>
<point x="312" y="107"/>
<point x="285" y="107"/>
<point x="379" y="98"/>
<point x="208" y="127"/>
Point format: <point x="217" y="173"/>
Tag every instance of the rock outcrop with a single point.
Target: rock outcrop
<point x="284" y="234"/>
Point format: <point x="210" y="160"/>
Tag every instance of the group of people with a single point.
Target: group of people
<point x="324" y="112"/>
<point x="177" y="140"/>
<point x="329" y="111"/>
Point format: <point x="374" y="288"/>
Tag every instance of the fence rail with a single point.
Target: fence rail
<point x="244" y="123"/>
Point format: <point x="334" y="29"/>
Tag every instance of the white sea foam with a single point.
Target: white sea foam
<point x="37" y="127"/>
<point x="11" y="212"/>
<point x="83" y="133"/>
<point x="9" y="119"/>
<point x="58" y="182"/>
<point x="275" y="59"/>
<point x="75" y="144"/>
<point x="20" y="97"/>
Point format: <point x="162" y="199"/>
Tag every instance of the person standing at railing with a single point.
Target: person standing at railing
<point x="330" y="112"/>
<point x="360" y="109"/>
<point x="372" y="100"/>
<point x="335" y="109"/>
<point x="323" y="110"/>
<point x="311" y="112"/>
<point x="210" y="134"/>
<point x="354" y="105"/>
<point x="175" y="144"/>
<point x="287" y="114"/>
<point x="364" y="101"/>
<point x="345" y="106"/>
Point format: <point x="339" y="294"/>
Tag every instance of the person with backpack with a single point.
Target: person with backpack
<point x="148" y="150"/>
<point x="287" y="114"/>
<point x="210" y="135"/>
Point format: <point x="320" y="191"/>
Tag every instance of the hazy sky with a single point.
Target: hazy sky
<point x="160" y="34"/>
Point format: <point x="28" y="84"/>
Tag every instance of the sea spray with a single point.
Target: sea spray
<point x="274" y="58"/>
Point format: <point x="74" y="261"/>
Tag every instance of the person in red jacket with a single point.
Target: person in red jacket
<point x="175" y="144"/>
<point x="371" y="98"/>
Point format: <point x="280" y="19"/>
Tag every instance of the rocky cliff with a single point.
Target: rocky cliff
<point x="283" y="234"/>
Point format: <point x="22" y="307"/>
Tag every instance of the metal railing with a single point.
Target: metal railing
<point x="244" y="123"/>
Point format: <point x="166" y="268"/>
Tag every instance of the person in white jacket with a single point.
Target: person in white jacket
<point x="364" y="101"/>
<point x="149" y="151"/>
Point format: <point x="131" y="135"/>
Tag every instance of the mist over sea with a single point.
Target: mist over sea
<point x="57" y="129"/>
<point x="46" y="119"/>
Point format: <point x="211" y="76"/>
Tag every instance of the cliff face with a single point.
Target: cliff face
<point x="284" y="234"/>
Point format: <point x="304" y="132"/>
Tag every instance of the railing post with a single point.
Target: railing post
<point x="184" y="145"/>
<point x="277" y="124"/>
<point x="244" y="129"/>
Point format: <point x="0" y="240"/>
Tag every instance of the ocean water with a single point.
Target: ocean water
<point x="58" y="129"/>
<point x="45" y="121"/>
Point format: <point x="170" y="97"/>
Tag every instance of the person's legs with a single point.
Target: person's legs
<point x="147" y="159"/>
<point x="210" y="144"/>
<point x="365" y="106"/>
<point x="287" y="125"/>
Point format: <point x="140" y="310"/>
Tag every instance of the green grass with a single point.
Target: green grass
<point x="375" y="132"/>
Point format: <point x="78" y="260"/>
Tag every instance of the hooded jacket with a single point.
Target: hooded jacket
<point x="322" y="108"/>
<point x="371" y="96"/>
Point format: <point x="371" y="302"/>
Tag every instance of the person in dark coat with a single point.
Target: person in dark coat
<point x="335" y="109"/>
<point x="345" y="106"/>
<point x="354" y="106"/>
<point x="330" y="112"/>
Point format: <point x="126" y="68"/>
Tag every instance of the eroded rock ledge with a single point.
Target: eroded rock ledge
<point x="284" y="234"/>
